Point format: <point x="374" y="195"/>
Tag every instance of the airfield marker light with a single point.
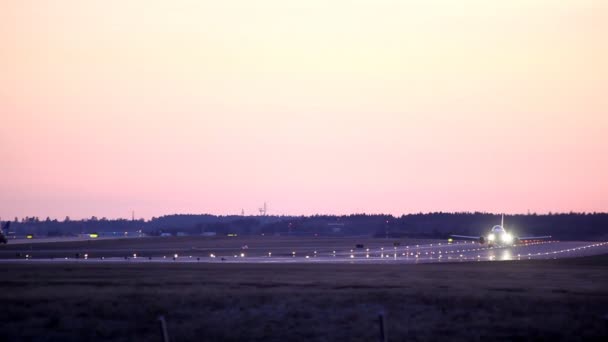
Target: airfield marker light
<point x="175" y="256"/>
<point x="293" y="254"/>
<point x="352" y="256"/>
<point x="367" y="255"/>
<point x="382" y="248"/>
<point x="242" y="255"/>
<point x="307" y="257"/>
<point x="212" y="255"/>
<point x="86" y="256"/>
<point x="416" y="255"/>
<point x="269" y="254"/>
<point x="367" y="249"/>
<point x="134" y="255"/>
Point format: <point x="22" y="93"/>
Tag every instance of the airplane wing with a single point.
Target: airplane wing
<point x="466" y="237"/>
<point x="534" y="237"/>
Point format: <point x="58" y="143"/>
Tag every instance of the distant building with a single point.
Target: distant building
<point x="335" y="227"/>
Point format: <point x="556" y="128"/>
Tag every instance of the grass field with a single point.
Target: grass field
<point x="529" y="300"/>
<point x="197" y="246"/>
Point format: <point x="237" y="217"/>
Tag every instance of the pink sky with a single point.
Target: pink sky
<point x="313" y="106"/>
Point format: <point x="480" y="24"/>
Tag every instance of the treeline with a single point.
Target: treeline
<point x="560" y="225"/>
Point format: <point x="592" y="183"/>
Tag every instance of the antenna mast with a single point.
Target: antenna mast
<point x="263" y="210"/>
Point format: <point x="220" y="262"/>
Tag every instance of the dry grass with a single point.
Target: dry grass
<point x="547" y="300"/>
<point x="197" y="246"/>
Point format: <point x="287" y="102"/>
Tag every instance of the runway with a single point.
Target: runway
<point x="440" y="252"/>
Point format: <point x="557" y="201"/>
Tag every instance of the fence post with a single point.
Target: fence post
<point x="163" y="328"/>
<point x="382" y="325"/>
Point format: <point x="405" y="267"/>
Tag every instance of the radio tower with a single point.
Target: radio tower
<point x="263" y="210"/>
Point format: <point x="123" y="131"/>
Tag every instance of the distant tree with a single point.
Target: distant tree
<point x="67" y="219"/>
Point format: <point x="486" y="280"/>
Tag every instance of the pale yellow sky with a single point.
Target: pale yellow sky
<point x="313" y="106"/>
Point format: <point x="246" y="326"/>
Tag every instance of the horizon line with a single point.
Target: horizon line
<point x="529" y="213"/>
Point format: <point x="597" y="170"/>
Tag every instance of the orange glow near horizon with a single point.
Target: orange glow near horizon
<point x="313" y="106"/>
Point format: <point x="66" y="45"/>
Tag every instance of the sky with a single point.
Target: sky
<point x="316" y="106"/>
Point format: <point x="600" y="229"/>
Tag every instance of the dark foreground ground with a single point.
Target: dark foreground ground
<point x="552" y="300"/>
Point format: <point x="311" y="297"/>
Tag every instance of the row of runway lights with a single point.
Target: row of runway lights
<point x="293" y="254"/>
<point x="352" y="254"/>
<point x="394" y="255"/>
<point x="367" y="255"/>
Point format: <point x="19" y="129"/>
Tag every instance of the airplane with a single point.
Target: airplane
<point x="2" y="236"/>
<point x="500" y="237"/>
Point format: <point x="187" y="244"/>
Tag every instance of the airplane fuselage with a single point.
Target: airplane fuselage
<point x="499" y="236"/>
